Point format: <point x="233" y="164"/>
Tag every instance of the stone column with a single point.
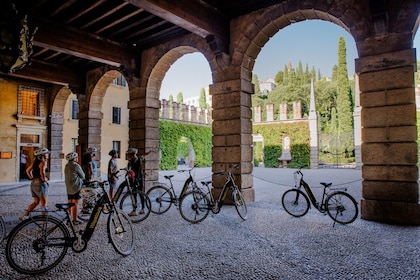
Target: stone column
<point x="270" y="113"/>
<point x="144" y="127"/>
<point x="313" y="130"/>
<point x="176" y="109"/>
<point x="389" y="138"/>
<point x="257" y="114"/>
<point x="283" y="111"/>
<point x="297" y="110"/>
<point x="165" y="109"/>
<point x="56" y="134"/>
<point x="185" y="112"/>
<point x="357" y="125"/>
<point x="193" y="112"/>
<point x="232" y="133"/>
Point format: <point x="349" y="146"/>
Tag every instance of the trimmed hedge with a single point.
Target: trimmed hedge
<point x="273" y="134"/>
<point x="171" y="134"/>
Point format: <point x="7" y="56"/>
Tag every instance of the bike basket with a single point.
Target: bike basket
<point x="89" y="194"/>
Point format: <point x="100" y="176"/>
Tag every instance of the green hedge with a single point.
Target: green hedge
<point x="171" y="144"/>
<point x="273" y="134"/>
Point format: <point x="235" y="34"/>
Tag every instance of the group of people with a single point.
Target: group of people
<point x="75" y="175"/>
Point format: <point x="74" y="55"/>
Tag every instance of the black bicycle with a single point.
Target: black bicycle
<point x="40" y="242"/>
<point x="2" y="229"/>
<point x="162" y="196"/>
<point x="339" y="205"/>
<point x="196" y="204"/>
<point x="133" y="201"/>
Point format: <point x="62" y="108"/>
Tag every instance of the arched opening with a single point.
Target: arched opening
<point x="185" y="108"/>
<point x="296" y="55"/>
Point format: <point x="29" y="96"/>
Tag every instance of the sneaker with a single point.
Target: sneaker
<point x="132" y="213"/>
<point x="22" y="218"/>
<point x="141" y="211"/>
<point x="85" y="212"/>
<point x="77" y="222"/>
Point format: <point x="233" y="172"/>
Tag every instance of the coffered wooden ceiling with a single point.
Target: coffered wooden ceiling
<point x="76" y="36"/>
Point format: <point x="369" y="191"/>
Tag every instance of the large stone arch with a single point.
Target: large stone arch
<point x="59" y="100"/>
<point x="90" y="108"/>
<point x="144" y="102"/>
<point x="385" y="67"/>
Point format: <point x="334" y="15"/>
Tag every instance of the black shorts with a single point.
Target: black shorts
<point x="74" y="196"/>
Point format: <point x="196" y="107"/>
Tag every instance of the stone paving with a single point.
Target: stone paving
<point x="270" y="244"/>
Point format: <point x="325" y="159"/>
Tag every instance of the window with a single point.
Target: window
<point x="74" y="144"/>
<point x="116" y="145"/>
<point x="74" y="109"/>
<point x="116" y="115"/>
<point x="120" y="81"/>
<point x="31" y="101"/>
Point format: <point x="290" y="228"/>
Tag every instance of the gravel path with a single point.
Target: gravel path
<point x="270" y="244"/>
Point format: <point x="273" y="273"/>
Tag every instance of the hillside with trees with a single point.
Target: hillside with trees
<point x="334" y="103"/>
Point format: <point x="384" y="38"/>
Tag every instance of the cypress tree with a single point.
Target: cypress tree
<point x="344" y="109"/>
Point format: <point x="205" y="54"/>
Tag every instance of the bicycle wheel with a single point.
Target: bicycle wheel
<point x="120" y="232"/>
<point x="240" y="204"/>
<point x="37" y="244"/>
<point x="295" y="202"/>
<point x="136" y="205"/>
<point x="194" y="206"/>
<point x="342" y="207"/>
<point x="2" y="229"/>
<point x="161" y="199"/>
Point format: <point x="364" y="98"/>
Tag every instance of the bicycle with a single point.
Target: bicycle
<point x="129" y="192"/>
<point x="2" y="229"/>
<point x="162" y="196"/>
<point x="40" y="242"/>
<point x="339" y="205"/>
<point x="196" y="204"/>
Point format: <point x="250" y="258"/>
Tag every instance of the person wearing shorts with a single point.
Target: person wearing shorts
<point x="39" y="182"/>
<point x="74" y="177"/>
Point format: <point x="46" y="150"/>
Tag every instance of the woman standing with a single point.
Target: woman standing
<point x="74" y="177"/>
<point x="39" y="183"/>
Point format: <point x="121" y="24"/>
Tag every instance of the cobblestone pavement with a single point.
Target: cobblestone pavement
<point x="270" y="244"/>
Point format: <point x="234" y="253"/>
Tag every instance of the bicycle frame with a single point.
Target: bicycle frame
<point x="216" y="205"/>
<point x="312" y="198"/>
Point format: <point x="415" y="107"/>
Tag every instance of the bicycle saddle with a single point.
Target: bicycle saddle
<point x="64" y="206"/>
<point x="326" y="184"/>
<point x="168" y="176"/>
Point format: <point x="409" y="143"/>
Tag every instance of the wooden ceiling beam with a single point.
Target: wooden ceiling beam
<point x="84" y="45"/>
<point x="190" y="15"/>
<point x="58" y="75"/>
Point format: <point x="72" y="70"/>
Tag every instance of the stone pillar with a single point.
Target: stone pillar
<point x="232" y="133"/>
<point x="185" y="113"/>
<point x="144" y="127"/>
<point x="176" y="109"/>
<point x="357" y="125"/>
<point x="297" y="110"/>
<point x="56" y="134"/>
<point x="257" y="114"/>
<point x="283" y="111"/>
<point x="193" y="111"/>
<point x="165" y="109"/>
<point x="389" y="138"/>
<point x="270" y="113"/>
<point x="313" y="130"/>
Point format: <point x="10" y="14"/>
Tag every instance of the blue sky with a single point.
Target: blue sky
<point x="313" y="42"/>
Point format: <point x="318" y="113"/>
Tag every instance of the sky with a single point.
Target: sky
<point x="313" y="42"/>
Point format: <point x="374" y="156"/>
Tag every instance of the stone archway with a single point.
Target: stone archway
<point x="144" y="102"/>
<point x="56" y="132"/>
<point x="386" y="69"/>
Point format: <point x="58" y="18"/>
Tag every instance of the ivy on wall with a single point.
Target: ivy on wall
<point x="171" y="135"/>
<point x="273" y="134"/>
